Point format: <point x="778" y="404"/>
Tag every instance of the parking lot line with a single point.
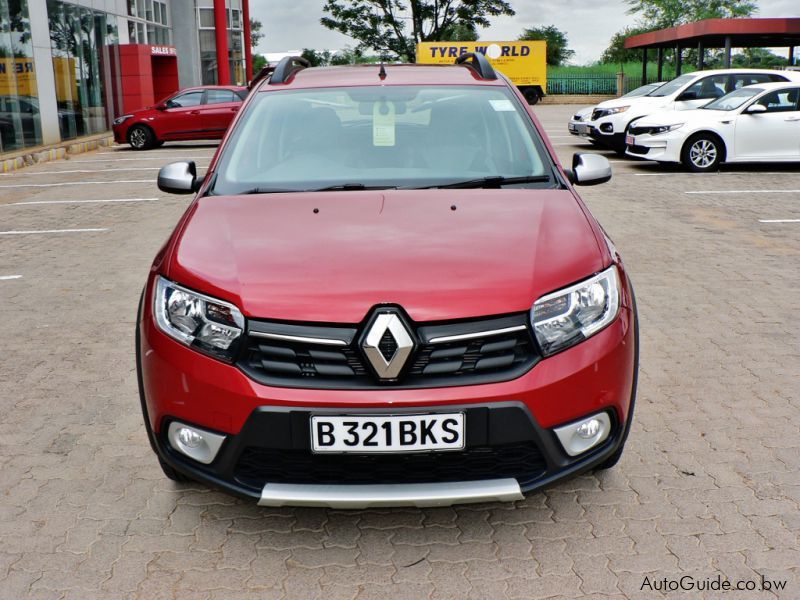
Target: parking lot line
<point x="82" y="171"/>
<point x="29" y="185"/>
<point x="94" y="162"/>
<point x="9" y="277"/>
<point x="45" y="231"/>
<point x="744" y="192"/>
<point x="779" y="220"/>
<point x="30" y="203"/>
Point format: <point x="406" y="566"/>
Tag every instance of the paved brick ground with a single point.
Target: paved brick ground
<point x="709" y="484"/>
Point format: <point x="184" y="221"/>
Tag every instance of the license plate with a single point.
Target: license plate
<point x="390" y="433"/>
<point x="630" y="140"/>
<point x="582" y="128"/>
<point x="572" y="127"/>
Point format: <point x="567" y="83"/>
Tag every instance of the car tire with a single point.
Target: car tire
<point x="703" y="153"/>
<point x="141" y="137"/>
<point x="531" y="95"/>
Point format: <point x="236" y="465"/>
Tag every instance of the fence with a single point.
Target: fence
<point x="591" y="84"/>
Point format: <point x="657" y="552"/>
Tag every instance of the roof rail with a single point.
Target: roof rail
<point x="288" y="66"/>
<point x="262" y="74"/>
<point x="478" y="62"/>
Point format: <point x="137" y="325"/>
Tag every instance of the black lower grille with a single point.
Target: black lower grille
<point x="257" y="466"/>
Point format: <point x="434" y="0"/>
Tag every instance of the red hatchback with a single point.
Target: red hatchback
<point x="200" y="113"/>
<point x="386" y="292"/>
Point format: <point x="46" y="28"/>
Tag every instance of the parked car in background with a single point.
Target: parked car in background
<point x="610" y="120"/>
<point x="199" y="113"/>
<point x="577" y="125"/>
<point x="386" y="292"/>
<point x="758" y="123"/>
<point x="20" y="115"/>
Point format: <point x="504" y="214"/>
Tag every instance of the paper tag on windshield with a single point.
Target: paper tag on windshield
<point x="383" y="123"/>
<point x="502" y="105"/>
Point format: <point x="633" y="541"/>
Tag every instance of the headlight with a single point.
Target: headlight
<point x="122" y="119"/>
<point x="614" y="111"/>
<point x="665" y="128"/>
<point x="564" y="318"/>
<point x="209" y="325"/>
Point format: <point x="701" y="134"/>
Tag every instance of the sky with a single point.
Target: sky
<point x="589" y="24"/>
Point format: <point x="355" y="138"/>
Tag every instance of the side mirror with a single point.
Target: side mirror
<point x="179" y="178"/>
<point x="756" y="109"/>
<point x="589" y="169"/>
<point x="687" y="96"/>
<point x="162" y="106"/>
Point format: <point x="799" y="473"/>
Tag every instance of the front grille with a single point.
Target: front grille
<point x="257" y="466"/>
<point x="641" y="150"/>
<point x="330" y="357"/>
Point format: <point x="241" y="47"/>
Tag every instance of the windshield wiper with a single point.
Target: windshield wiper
<point x="493" y="181"/>
<point x="258" y="190"/>
<point x="346" y="187"/>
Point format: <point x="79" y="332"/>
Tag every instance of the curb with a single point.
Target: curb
<point x="39" y="154"/>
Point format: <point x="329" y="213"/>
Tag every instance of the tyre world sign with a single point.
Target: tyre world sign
<point x="523" y="62"/>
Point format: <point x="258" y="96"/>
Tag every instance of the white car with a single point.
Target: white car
<point x="610" y="120"/>
<point x="577" y="125"/>
<point x="758" y="123"/>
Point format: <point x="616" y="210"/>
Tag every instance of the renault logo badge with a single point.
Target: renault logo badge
<point x="387" y="345"/>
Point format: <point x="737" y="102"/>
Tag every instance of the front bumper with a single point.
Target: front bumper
<point x="511" y="447"/>
<point x="663" y="148"/>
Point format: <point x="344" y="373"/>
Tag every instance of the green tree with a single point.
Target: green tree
<point x="317" y="59"/>
<point x="616" y="52"/>
<point x="394" y="27"/>
<point x="259" y="62"/>
<point x="660" y="14"/>
<point x="558" y="51"/>
<point x="256" y="35"/>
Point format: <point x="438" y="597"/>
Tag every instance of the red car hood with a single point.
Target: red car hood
<point x="276" y="258"/>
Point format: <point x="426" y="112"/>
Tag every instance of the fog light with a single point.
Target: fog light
<point x="580" y="436"/>
<point x="197" y="444"/>
<point x="607" y="127"/>
<point x="189" y="438"/>
<point x="588" y="429"/>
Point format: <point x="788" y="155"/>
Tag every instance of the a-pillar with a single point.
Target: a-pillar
<point x="221" y="38"/>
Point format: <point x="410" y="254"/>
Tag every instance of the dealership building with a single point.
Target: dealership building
<point x="68" y="68"/>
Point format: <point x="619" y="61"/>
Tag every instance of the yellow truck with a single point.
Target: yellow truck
<point x="524" y="63"/>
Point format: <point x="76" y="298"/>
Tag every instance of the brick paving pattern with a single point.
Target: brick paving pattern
<point x="709" y="483"/>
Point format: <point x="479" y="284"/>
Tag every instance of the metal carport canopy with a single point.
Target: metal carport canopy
<point x="718" y="33"/>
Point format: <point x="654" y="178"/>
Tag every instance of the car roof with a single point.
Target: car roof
<point x="772" y="85"/>
<point x="735" y="71"/>
<point x="396" y="74"/>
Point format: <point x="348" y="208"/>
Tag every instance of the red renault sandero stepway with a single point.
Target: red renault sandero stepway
<point x="386" y="292"/>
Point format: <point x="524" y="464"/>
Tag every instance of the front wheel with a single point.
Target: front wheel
<point x="702" y="153"/>
<point x="141" y="137"/>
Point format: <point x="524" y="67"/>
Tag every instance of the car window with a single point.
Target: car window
<point x="780" y="100"/>
<point x="733" y="100"/>
<point x="745" y="79"/>
<point x="187" y="99"/>
<point x="708" y="88"/>
<point x="399" y="136"/>
<point x="220" y="96"/>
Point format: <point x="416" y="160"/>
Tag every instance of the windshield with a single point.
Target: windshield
<point x="733" y="100"/>
<point x="389" y="136"/>
<point x="645" y="90"/>
<point x="673" y="86"/>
